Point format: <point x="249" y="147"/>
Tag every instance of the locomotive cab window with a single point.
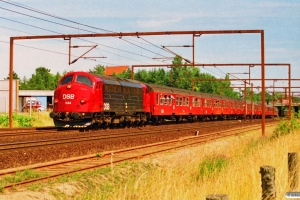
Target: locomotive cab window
<point x="66" y="80"/>
<point x="84" y="80"/>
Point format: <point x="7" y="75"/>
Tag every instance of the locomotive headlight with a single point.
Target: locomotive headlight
<point x="68" y="86"/>
<point x="55" y="100"/>
<point x="82" y="101"/>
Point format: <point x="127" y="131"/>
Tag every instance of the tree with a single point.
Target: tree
<point x="141" y="75"/>
<point x="99" y="69"/>
<point x="41" y="80"/>
<point x="15" y="76"/>
<point x="124" y="74"/>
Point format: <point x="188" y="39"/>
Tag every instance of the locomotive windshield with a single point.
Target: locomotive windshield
<point x="84" y="80"/>
<point x="67" y="79"/>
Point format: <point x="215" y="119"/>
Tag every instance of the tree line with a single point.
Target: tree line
<point x="178" y="75"/>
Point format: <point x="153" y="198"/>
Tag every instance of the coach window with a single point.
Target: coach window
<point x="166" y="100"/>
<point x="249" y="106"/>
<point x="177" y="102"/>
<point x="225" y="105"/>
<point x="67" y="79"/>
<point x="193" y="101"/>
<point x="156" y="99"/>
<point x="180" y="101"/>
<point x="187" y="101"/>
<point x="170" y="100"/>
<point x="84" y="80"/>
<point x="183" y="101"/>
<point x="161" y="100"/>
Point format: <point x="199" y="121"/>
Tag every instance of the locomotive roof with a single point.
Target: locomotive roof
<point x="112" y="80"/>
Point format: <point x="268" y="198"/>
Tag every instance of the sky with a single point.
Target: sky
<point x="280" y="20"/>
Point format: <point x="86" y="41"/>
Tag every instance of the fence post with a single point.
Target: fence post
<point x="268" y="182"/>
<point x="217" y="197"/>
<point x="293" y="170"/>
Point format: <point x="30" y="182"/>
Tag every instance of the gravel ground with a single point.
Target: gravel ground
<point x="46" y="154"/>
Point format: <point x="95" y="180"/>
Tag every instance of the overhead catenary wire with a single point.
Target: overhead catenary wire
<point x="77" y="23"/>
<point x="46" y="50"/>
<point x="79" y="39"/>
<point x="61" y="18"/>
<point x="51" y="15"/>
<point x="57" y="17"/>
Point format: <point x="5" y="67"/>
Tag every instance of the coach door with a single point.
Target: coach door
<point x="98" y="97"/>
<point x="173" y="104"/>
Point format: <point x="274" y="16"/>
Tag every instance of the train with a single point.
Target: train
<point x="83" y="99"/>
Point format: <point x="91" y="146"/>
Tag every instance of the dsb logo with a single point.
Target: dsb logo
<point x="68" y="96"/>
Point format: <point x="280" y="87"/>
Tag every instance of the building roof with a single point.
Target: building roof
<point x="29" y="93"/>
<point x="110" y="70"/>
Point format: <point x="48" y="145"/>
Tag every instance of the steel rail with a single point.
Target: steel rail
<point x="62" y="141"/>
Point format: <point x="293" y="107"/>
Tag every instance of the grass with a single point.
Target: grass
<point x="230" y="166"/>
<point x="21" y="120"/>
<point x="19" y="177"/>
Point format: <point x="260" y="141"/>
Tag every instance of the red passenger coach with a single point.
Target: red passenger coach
<point x="169" y="103"/>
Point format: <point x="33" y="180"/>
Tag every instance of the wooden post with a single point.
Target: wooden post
<point x="268" y="182"/>
<point x="293" y="170"/>
<point x="217" y="197"/>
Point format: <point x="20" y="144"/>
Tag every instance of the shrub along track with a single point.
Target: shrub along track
<point x="72" y="165"/>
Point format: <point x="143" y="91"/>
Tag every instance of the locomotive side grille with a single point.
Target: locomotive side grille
<point x="122" y="103"/>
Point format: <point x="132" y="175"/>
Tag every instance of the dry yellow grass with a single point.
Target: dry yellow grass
<point x="42" y="119"/>
<point x="240" y="179"/>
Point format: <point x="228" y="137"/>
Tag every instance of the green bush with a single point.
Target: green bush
<point x="210" y="166"/>
<point x="4" y="120"/>
<point x="286" y="127"/>
<point x="22" y="120"/>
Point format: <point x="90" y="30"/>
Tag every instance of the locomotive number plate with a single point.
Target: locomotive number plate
<point x="68" y="102"/>
<point x="68" y="96"/>
<point x="106" y="106"/>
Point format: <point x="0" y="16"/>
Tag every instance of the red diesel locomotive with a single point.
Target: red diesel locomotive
<point x="83" y="99"/>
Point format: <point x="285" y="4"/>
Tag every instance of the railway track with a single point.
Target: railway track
<point x="20" y="132"/>
<point x="83" y="163"/>
<point x="17" y="146"/>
